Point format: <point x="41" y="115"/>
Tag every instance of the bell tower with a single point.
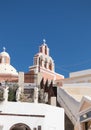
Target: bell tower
<point x="43" y="66"/>
<point x="44" y="48"/>
<point x="42" y="59"/>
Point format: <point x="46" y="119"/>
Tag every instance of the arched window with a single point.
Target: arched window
<point x="41" y="49"/>
<point x="50" y="65"/>
<point x="40" y="60"/>
<point x="45" y="64"/>
<point x="46" y="50"/>
<point x="20" y="126"/>
<point x="3" y="59"/>
<point x="35" y="61"/>
<point x="0" y="60"/>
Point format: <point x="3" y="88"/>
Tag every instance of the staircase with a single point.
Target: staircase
<point x="69" y="104"/>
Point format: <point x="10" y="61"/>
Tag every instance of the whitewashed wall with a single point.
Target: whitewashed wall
<point x="53" y="120"/>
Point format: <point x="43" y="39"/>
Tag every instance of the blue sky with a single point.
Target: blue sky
<point x="65" y="24"/>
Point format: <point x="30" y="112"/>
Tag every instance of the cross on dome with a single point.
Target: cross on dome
<point x="4" y="49"/>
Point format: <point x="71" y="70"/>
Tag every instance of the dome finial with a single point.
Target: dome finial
<point x="4" y="49"/>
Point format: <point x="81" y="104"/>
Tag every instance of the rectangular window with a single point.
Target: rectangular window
<point x="34" y="129"/>
<point x="39" y="127"/>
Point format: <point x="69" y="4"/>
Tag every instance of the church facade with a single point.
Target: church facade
<point x="43" y="66"/>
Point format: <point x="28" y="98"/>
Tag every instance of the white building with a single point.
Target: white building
<point x="83" y="76"/>
<point x="30" y="116"/>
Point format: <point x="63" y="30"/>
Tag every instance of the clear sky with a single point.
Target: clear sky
<point x="65" y="24"/>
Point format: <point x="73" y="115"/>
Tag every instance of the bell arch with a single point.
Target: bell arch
<point x="20" y="126"/>
<point x="40" y="61"/>
<point x="50" y="65"/>
<point x="45" y="63"/>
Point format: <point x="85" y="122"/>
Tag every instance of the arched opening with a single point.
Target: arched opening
<point x="35" y="61"/>
<point x="0" y="60"/>
<point x="40" y="60"/>
<point x="45" y="63"/>
<point x="50" y="65"/>
<point x="20" y="126"/>
<point x="46" y="50"/>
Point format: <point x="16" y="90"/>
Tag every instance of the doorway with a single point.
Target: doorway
<point x="20" y="126"/>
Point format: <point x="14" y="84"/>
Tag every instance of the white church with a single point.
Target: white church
<point x="24" y="115"/>
<point x="29" y="116"/>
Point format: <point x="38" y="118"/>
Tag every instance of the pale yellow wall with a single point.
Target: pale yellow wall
<point x="85" y="105"/>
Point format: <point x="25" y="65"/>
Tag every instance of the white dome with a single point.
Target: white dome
<point x="4" y="54"/>
<point x="8" y="69"/>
